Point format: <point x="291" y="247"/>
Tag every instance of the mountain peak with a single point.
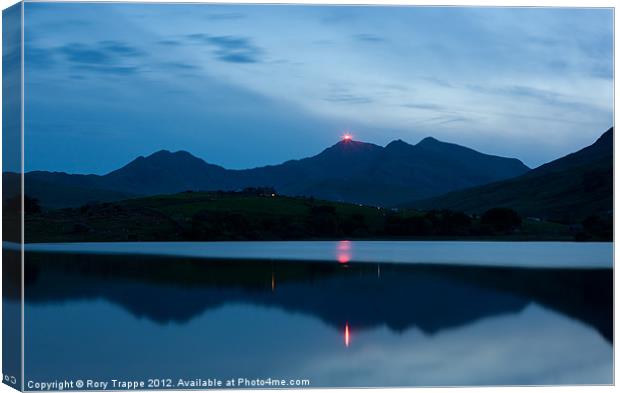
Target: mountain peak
<point x="397" y="144"/>
<point x="429" y="140"/>
<point x="162" y="152"/>
<point x="168" y="153"/>
<point x="607" y="137"/>
<point x="349" y="149"/>
<point x="349" y="144"/>
<point x="164" y="160"/>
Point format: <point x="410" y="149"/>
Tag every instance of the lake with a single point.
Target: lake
<point x="334" y="314"/>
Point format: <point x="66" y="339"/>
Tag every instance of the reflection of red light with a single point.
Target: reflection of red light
<point x="344" y="245"/>
<point x="346" y="334"/>
<point x="344" y="251"/>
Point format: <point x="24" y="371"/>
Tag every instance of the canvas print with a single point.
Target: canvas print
<point x="213" y="196"/>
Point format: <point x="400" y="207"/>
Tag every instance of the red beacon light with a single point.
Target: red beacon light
<point x="347" y="137"/>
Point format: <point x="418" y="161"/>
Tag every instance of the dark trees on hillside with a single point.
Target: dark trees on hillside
<point x="31" y="205"/>
<point x="500" y="219"/>
<point x="596" y="227"/>
<point x="323" y="220"/>
<point x="222" y="225"/>
<point x="433" y="223"/>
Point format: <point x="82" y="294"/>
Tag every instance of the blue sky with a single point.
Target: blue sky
<point x="244" y="86"/>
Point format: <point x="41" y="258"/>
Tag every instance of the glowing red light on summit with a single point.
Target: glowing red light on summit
<point x="347" y="137"/>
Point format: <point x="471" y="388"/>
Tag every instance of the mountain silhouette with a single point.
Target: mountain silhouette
<point x="432" y="298"/>
<point x="349" y="171"/>
<point x="568" y="189"/>
<point x="162" y="172"/>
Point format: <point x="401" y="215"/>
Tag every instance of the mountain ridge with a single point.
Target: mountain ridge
<point x="568" y="189"/>
<point x="349" y="171"/>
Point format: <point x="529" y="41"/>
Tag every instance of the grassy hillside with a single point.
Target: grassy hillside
<point x="567" y="190"/>
<point x="202" y="216"/>
<point x="54" y="193"/>
<point x="566" y="197"/>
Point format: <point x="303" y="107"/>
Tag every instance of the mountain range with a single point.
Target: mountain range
<point x="568" y="189"/>
<point x="349" y="171"/>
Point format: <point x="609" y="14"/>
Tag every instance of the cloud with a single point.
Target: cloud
<point x="83" y="54"/>
<point x="61" y="25"/>
<point x="552" y="73"/>
<point x="169" y="42"/>
<point x="452" y="119"/>
<point x="104" y="52"/>
<point x="372" y="38"/>
<point x="104" y="57"/>
<point x="226" y="16"/>
<point x="525" y="91"/>
<point x="198" y="36"/>
<point x="337" y="15"/>
<point x="546" y="97"/>
<point x="430" y="107"/>
<point x="120" y="49"/>
<point x="603" y="70"/>
<point x="177" y="65"/>
<point x="237" y="57"/>
<point x="348" y="98"/>
<point x="38" y="57"/>
<point x="548" y="42"/>
<point x="323" y="42"/>
<point x="438" y="82"/>
<point x="232" y="49"/>
<point x="230" y="42"/>
<point x="442" y="120"/>
<point x="345" y="93"/>
<point x="558" y="65"/>
<point x="236" y="49"/>
<point x="108" y="69"/>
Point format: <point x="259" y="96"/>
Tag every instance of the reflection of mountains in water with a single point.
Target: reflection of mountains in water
<point x="431" y="298"/>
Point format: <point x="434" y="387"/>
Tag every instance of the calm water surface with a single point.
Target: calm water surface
<point x="486" y="317"/>
<point x="513" y="254"/>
